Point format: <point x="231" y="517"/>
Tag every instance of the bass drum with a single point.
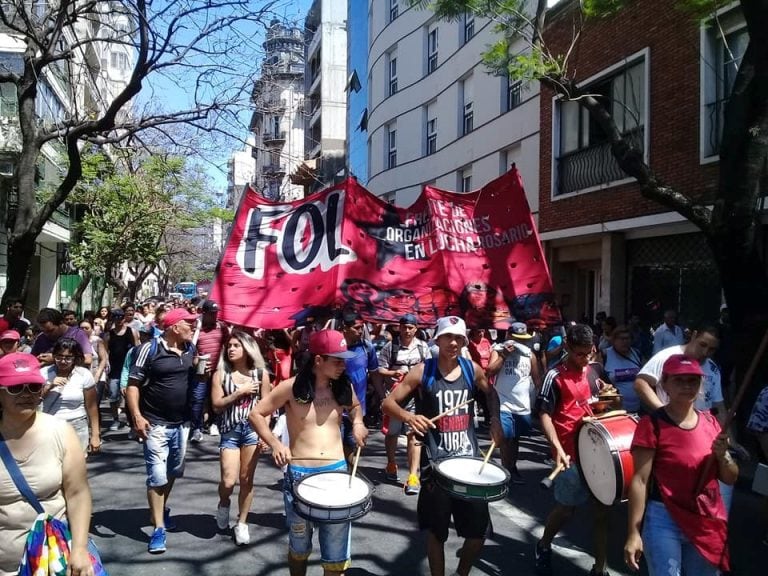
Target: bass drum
<point x="605" y="461"/>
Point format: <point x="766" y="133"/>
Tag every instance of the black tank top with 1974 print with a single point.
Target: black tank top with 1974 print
<point x="454" y="434"/>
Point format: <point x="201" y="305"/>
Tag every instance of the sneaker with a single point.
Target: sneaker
<point x="242" y="534"/>
<point x="115" y="426"/>
<point x="197" y="436"/>
<point x="516" y="478"/>
<point x="543" y="560"/>
<point x="214" y="430"/>
<point x="390" y="473"/>
<point x="157" y="542"/>
<point x="167" y="520"/>
<point x="412" y="486"/>
<point x="222" y="517"/>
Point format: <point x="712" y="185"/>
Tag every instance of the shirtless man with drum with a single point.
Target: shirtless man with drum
<point x="314" y="401"/>
<point x="448" y="384"/>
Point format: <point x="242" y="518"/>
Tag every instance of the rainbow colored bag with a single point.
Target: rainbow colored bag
<point x="46" y="552"/>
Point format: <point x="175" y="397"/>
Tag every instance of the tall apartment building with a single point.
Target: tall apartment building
<point x="357" y="90"/>
<point x="325" y="106"/>
<point x="666" y="81"/>
<point x="278" y="122"/>
<point x="435" y="115"/>
<point x="241" y="172"/>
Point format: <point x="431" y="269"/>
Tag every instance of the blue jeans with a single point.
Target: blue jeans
<point x="335" y="539"/>
<point x="667" y="551"/>
<point x="199" y="396"/>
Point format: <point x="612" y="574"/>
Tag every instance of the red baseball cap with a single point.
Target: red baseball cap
<point x="173" y="317"/>
<point x="680" y="364"/>
<point x="20" y="368"/>
<point x="329" y="343"/>
<point x="10" y="335"/>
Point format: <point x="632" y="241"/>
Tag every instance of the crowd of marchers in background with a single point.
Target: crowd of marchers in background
<point x="173" y="372"/>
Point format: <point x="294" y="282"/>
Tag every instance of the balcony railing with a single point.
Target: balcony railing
<point x="274" y="169"/>
<point x="592" y="166"/>
<point x="273" y="137"/>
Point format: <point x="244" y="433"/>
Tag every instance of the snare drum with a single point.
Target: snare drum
<point x="605" y="461"/>
<point x="327" y="497"/>
<point x="460" y="477"/>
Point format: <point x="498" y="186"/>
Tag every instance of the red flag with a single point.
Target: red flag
<point x="475" y="255"/>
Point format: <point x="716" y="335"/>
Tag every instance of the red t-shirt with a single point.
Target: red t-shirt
<point x="210" y="341"/>
<point x="281" y="362"/>
<point x="565" y="397"/>
<point x="480" y="352"/>
<point x="678" y="463"/>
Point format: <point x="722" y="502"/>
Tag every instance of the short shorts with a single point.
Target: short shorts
<point x="569" y="487"/>
<point x="241" y="435"/>
<point x="335" y="539"/>
<point x="515" y="425"/>
<point x="164" y="453"/>
<point x="435" y="508"/>
<point x="396" y="427"/>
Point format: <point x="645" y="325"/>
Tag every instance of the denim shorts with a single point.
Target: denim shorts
<point x="515" y="425"/>
<point x="241" y="435"/>
<point x="164" y="453"/>
<point x="667" y="551"/>
<point x="335" y="539"/>
<point x="569" y="487"/>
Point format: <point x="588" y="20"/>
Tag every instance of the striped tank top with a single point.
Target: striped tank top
<point x="238" y="412"/>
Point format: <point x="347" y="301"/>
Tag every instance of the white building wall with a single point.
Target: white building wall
<point x="499" y="138"/>
<point x="333" y="96"/>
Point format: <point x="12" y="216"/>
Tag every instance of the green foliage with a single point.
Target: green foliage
<point x="223" y="214"/>
<point x="128" y="212"/>
<point x="602" y="8"/>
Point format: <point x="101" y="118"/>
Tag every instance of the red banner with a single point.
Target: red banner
<point x="475" y="255"/>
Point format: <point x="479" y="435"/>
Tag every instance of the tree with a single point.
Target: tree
<point x="208" y="43"/>
<point x="128" y="214"/>
<point x="732" y="227"/>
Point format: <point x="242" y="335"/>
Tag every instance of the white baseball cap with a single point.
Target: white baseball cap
<point x="451" y="325"/>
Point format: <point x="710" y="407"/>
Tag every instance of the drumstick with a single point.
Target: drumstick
<point x="354" y="466"/>
<point x="487" y="456"/>
<point x="546" y="484"/>
<point x="710" y="462"/>
<point x="436" y="418"/>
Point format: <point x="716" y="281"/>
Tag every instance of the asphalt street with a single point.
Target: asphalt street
<point x="386" y="541"/>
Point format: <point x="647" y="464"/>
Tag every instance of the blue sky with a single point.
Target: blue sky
<point x="174" y="91"/>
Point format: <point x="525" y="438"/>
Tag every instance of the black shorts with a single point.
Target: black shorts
<point x="436" y="506"/>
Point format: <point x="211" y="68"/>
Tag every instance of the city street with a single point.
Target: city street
<point x="385" y="541"/>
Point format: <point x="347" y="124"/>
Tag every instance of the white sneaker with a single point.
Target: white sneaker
<point x="197" y="436"/>
<point x="222" y="517"/>
<point x="242" y="534"/>
<point x="213" y="430"/>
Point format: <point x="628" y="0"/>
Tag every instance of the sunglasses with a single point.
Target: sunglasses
<point x="64" y="358"/>
<point x="17" y="389"/>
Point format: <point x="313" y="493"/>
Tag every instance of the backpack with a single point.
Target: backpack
<point x="430" y="371"/>
<point x="151" y="355"/>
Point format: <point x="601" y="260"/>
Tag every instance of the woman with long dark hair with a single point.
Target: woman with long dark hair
<point x="240" y="380"/>
<point x="70" y="393"/>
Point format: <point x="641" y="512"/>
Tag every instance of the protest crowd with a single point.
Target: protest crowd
<point x="174" y="373"/>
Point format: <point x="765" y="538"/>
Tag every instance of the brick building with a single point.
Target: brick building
<point x="666" y="76"/>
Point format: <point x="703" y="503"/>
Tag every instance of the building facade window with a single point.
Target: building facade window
<point x="391" y="146"/>
<point x="119" y="61"/>
<point x="514" y="93"/>
<point x="464" y="183"/>
<point x="725" y="44"/>
<point x="469" y="26"/>
<point x="9" y="104"/>
<point x="432" y="46"/>
<point x="584" y="157"/>
<point x="467" y="106"/>
<point x="394" y="9"/>
<point x="392" y="73"/>
<point x="431" y="129"/>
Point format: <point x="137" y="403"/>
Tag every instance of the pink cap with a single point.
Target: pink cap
<point x="173" y="317"/>
<point x="329" y="343"/>
<point x="10" y="335"/>
<point x="20" y="368"/>
<point x="680" y="364"/>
